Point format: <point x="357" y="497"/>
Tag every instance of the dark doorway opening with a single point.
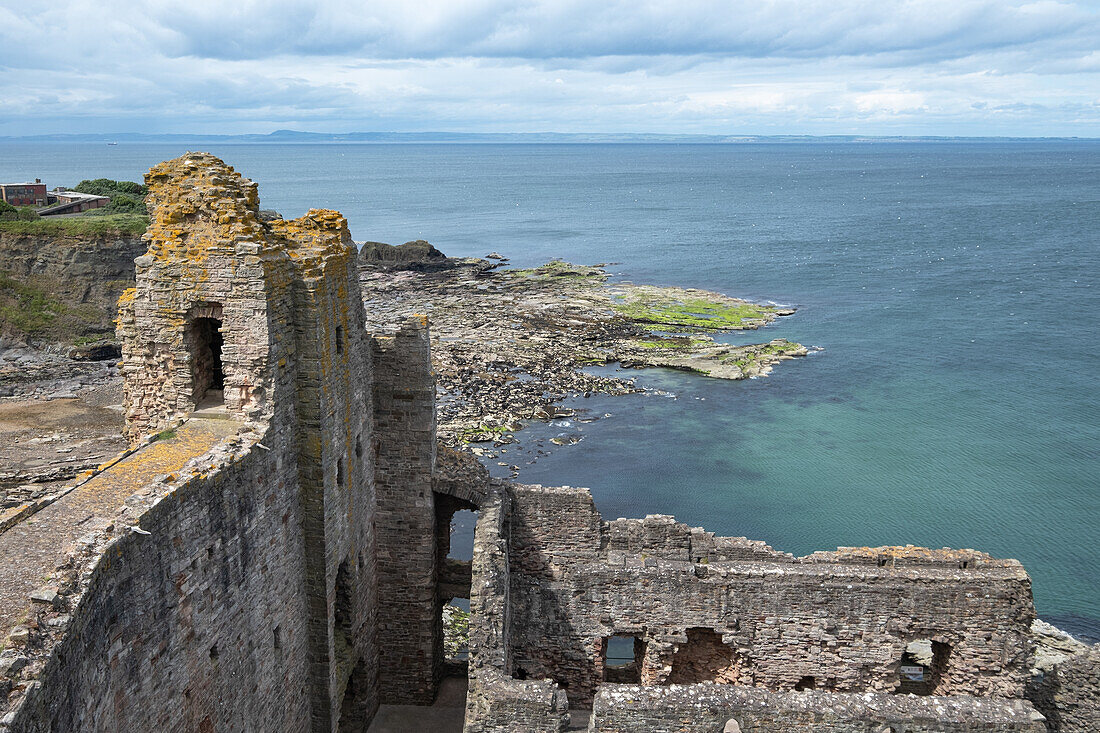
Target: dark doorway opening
<point x="342" y="613"/>
<point x="207" y="374"/>
<point x="355" y="706"/>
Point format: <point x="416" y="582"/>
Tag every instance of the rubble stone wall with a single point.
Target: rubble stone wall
<point x="208" y="251"/>
<point x="841" y="626"/>
<point x="496" y="702"/>
<point x="1069" y="694"/>
<point x="707" y="708"/>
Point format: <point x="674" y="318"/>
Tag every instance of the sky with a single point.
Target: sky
<point x="869" y="67"/>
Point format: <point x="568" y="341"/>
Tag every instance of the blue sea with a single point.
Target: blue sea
<point x="953" y="287"/>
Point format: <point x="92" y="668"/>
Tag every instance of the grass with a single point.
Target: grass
<point x="164" y="435"/>
<point x="690" y="314"/>
<point x="79" y="226"/>
<point x="30" y="308"/>
<point x="27" y="308"/>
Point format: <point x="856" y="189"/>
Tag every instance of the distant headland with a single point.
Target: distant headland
<point x="298" y="136"/>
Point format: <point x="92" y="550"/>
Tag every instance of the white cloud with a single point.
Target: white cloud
<point x="646" y="65"/>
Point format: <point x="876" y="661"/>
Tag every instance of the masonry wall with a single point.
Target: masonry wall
<point x="175" y="625"/>
<point x="496" y="702"/>
<point x="208" y="252"/>
<point x="409" y="622"/>
<point x="333" y="407"/>
<point x="1069" y="694"/>
<point x="776" y="622"/>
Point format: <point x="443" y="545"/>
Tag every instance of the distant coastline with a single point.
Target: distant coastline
<point x="296" y="136"/>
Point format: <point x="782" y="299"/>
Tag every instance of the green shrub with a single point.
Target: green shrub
<point x="11" y="213"/>
<point x="126" y="197"/>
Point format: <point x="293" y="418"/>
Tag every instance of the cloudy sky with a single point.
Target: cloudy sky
<point x="937" y="67"/>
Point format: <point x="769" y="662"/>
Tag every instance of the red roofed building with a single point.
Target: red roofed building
<point x="24" y="194"/>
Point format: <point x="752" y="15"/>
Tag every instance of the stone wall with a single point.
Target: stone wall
<point x="334" y="421"/>
<point x="409" y="610"/>
<point x="252" y="602"/>
<point x="826" y="621"/>
<point x="172" y="626"/>
<point x="707" y="708"/>
<point x="1069" y="694"/>
<point x="496" y="702"/>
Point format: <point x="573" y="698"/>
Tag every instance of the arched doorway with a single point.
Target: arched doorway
<point x="205" y="341"/>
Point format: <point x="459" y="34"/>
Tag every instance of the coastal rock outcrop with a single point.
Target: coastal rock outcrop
<point x="415" y="255"/>
<point x="61" y="287"/>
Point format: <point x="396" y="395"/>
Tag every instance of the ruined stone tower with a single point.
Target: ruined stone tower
<point x="261" y="321"/>
<point x="245" y="595"/>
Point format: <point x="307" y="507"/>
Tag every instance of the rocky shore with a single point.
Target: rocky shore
<point x="511" y="345"/>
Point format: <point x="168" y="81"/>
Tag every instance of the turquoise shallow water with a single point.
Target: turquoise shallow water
<point x="953" y="287"/>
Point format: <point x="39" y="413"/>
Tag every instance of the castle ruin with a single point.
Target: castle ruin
<point x="271" y="554"/>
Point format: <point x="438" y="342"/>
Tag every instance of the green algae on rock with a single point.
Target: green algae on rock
<point x="690" y="310"/>
<point x="721" y="361"/>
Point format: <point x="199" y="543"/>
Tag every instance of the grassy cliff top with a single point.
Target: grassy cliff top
<point x="79" y="225"/>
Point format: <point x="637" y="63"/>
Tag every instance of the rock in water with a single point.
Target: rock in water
<point x="408" y="256"/>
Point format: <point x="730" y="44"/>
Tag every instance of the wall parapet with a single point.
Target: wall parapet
<point x="104" y="597"/>
<point x="707" y="708"/>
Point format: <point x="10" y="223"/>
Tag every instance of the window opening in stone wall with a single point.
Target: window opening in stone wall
<point x="456" y="630"/>
<point x="340" y="472"/>
<point x="806" y="683"/>
<point x="207" y="374"/>
<point x="922" y="667"/>
<point x="622" y="658"/>
<point x="454" y="532"/>
<point x="463" y="522"/>
<point x="339" y="339"/>
<point x="704" y="658"/>
<point x="358" y="446"/>
<point x="277" y="638"/>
